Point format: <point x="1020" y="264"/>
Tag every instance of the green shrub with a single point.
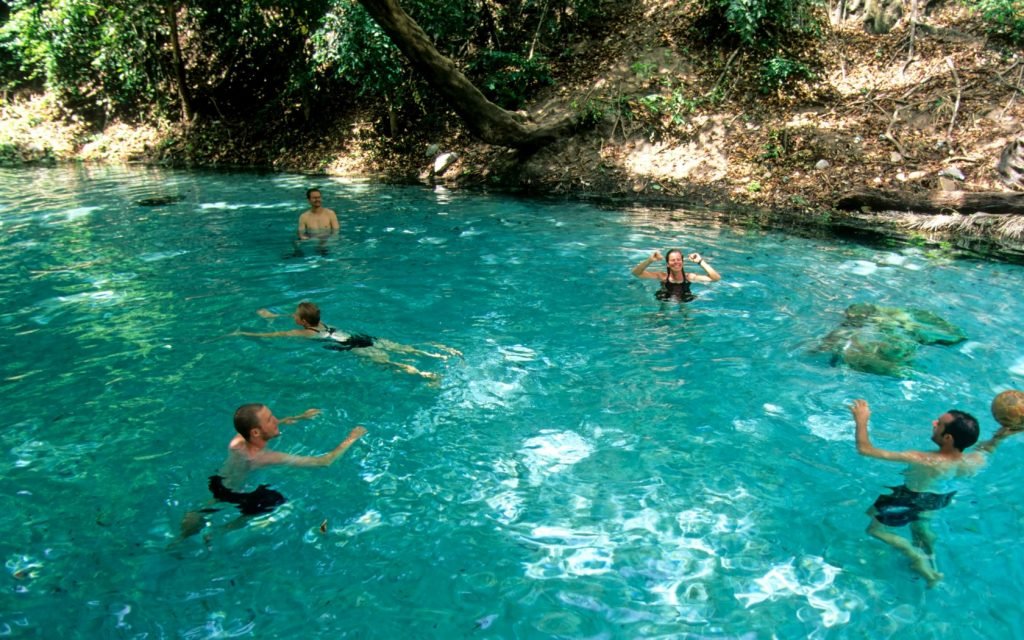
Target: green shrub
<point x="23" y="46"/>
<point x="508" y="78"/>
<point x="777" y="72"/>
<point x="758" y="24"/>
<point x="1003" y="18"/>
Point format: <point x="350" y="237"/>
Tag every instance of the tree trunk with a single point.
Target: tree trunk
<point x="936" y="202"/>
<point x="486" y="120"/>
<point x="179" y="64"/>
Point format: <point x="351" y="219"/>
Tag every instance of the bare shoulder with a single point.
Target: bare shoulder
<point x="237" y="445"/>
<point x="974" y="461"/>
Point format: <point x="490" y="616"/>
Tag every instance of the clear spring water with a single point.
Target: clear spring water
<point x="600" y="465"/>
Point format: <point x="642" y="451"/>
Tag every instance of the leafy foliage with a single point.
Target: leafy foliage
<point x="509" y="78"/>
<point x="774" y="34"/>
<point x="759" y="24"/>
<point x="22" y="47"/>
<point x="349" y="46"/>
<point x="778" y="71"/>
<point x="99" y="58"/>
<point x="247" y="60"/>
<point x="251" y="56"/>
<point x="1004" y="18"/>
<point x="501" y="46"/>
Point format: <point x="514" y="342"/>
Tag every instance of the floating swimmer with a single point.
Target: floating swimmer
<point x="675" y="282"/>
<point x="307" y="316"/>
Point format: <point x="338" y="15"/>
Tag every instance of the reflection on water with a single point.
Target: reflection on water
<point x="599" y="464"/>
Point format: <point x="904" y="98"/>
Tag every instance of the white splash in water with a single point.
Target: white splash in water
<point x="570" y="552"/>
<point x="507" y="506"/>
<point x="830" y="427"/>
<point x="859" y="267"/>
<point x="746" y="425"/>
<point x="813" y="580"/>
<point x="553" y="452"/>
<point x="773" y="409"/>
<point x="1017" y="368"/>
<point x="518" y="353"/>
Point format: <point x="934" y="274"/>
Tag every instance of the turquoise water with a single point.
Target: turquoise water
<point x="599" y="465"/>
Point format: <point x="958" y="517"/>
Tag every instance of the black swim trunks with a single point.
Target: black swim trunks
<point x="903" y="506"/>
<point x="253" y="503"/>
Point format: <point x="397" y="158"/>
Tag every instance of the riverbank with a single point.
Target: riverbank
<point x="915" y="111"/>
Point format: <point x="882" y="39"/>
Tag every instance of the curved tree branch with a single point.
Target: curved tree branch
<point x="486" y="120"/>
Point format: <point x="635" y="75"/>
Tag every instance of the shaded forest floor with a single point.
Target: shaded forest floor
<point x="675" y="124"/>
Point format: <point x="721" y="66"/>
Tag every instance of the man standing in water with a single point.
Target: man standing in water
<point x="928" y="484"/>
<point x="317" y="220"/>
<point x="257" y="426"/>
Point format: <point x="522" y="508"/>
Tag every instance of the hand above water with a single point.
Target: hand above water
<point x="860" y="410"/>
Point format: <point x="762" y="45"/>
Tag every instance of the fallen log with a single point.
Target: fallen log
<point x="934" y="202"/>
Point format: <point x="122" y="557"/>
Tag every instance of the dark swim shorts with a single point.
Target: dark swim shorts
<point x="253" y="503"/>
<point x="903" y="506"/>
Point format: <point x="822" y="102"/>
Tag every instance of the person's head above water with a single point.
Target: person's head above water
<point x="674" y="259"/>
<point x="960" y="426"/>
<point x="311" y="191"/>
<point x="255" y="417"/>
<point x="307" y="314"/>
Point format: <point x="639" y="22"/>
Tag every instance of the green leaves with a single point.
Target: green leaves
<point x="1004" y="18"/>
<point x="508" y="78"/>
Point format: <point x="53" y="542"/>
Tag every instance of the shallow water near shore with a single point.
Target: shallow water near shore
<point x="598" y="464"/>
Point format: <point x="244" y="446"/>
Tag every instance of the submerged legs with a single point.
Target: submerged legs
<point x="920" y="552"/>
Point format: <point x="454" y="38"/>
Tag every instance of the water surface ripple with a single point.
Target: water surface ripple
<point x="598" y="465"/>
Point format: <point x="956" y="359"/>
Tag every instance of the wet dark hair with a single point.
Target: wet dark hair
<point x="311" y="190"/>
<point x="964" y="429"/>
<point x="310" y="313"/>
<point x="246" y="420"/>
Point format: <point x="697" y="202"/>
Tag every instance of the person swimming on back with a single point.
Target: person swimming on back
<point x="307" y="316"/>
<point x="675" y="282"/>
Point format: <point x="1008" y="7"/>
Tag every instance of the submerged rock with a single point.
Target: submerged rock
<point x="884" y="340"/>
<point x="159" y="201"/>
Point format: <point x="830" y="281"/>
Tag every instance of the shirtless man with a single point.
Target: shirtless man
<point x="257" y="426"/>
<point x="914" y="502"/>
<point x="317" y="220"/>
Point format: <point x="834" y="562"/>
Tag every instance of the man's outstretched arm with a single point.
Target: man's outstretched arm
<point x="274" y="458"/>
<point x="305" y="415"/>
<point x="861" y="414"/>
